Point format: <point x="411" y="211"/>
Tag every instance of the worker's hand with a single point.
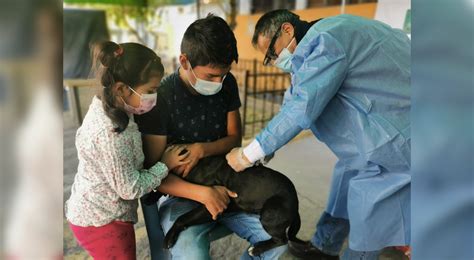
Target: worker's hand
<point x="216" y="199"/>
<point x="237" y="159"/>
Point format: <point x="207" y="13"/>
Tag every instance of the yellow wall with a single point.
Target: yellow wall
<point x="246" y="24"/>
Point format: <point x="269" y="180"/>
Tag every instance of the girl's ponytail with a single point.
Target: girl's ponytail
<point x="129" y="63"/>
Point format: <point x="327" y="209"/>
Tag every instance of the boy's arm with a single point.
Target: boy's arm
<point x="153" y="148"/>
<point x="233" y="138"/>
<point x="221" y="146"/>
<point x="214" y="198"/>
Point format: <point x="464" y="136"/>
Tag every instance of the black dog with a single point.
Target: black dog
<point x="260" y="190"/>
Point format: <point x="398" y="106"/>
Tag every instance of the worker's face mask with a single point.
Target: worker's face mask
<point x="283" y="61"/>
<point x="204" y="87"/>
<point x="147" y="102"/>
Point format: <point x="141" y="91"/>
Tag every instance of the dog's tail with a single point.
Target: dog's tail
<point x="294" y="228"/>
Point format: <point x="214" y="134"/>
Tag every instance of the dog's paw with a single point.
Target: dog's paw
<point x="170" y="240"/>
<point x="256" y="250"/>
<point x="250" y="250"/>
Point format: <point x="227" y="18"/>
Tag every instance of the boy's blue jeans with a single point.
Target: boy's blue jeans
<point x="193" y="243"/>
<point x="330" y="235"/>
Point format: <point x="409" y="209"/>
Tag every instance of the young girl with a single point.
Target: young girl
<point x="103" y="204"/>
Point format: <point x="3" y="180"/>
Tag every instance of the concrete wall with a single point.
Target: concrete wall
<point x="246" y="24"/>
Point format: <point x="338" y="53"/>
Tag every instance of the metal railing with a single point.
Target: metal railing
<point x="262" y="89"/>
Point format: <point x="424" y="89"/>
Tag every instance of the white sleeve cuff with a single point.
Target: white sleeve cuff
<point x="254" y="151"/>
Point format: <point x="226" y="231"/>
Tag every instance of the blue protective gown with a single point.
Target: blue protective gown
<point x="350" y="84"/>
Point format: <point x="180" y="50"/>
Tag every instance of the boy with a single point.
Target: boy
<point x="198" y="105"/>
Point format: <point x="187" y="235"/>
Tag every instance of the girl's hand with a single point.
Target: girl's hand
<point x="172" y="158"/>
<point x="216" y="199"/>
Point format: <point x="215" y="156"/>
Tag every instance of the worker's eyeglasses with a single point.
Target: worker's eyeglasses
<point x="271" y="55"/>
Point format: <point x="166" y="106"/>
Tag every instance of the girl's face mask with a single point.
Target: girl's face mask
<point x="147" y="102"/>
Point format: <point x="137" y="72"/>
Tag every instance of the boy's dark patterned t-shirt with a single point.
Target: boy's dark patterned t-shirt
<point x="187" y="118"/>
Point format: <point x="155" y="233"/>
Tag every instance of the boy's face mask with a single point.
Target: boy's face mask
<point x="204" y="87"/>
<point x="283" y="61"/>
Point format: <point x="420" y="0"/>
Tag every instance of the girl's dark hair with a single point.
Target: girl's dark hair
<point x="130" y="63"/>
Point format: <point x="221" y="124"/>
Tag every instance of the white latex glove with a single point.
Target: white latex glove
<point x="237" y="160"/>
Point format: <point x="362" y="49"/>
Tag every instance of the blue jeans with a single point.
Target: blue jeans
<point x="330" y="235"/>
<point x="193" y="243"/>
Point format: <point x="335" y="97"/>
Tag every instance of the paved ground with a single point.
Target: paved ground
<point x="307" y="162"/>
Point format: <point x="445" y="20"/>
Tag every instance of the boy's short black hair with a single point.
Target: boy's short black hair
<point x="210" y="41"/>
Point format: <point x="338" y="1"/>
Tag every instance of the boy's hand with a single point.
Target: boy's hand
<point x="196" y="152"/>
<point x="215" y="199"/>
<point x="179" y="170"/>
